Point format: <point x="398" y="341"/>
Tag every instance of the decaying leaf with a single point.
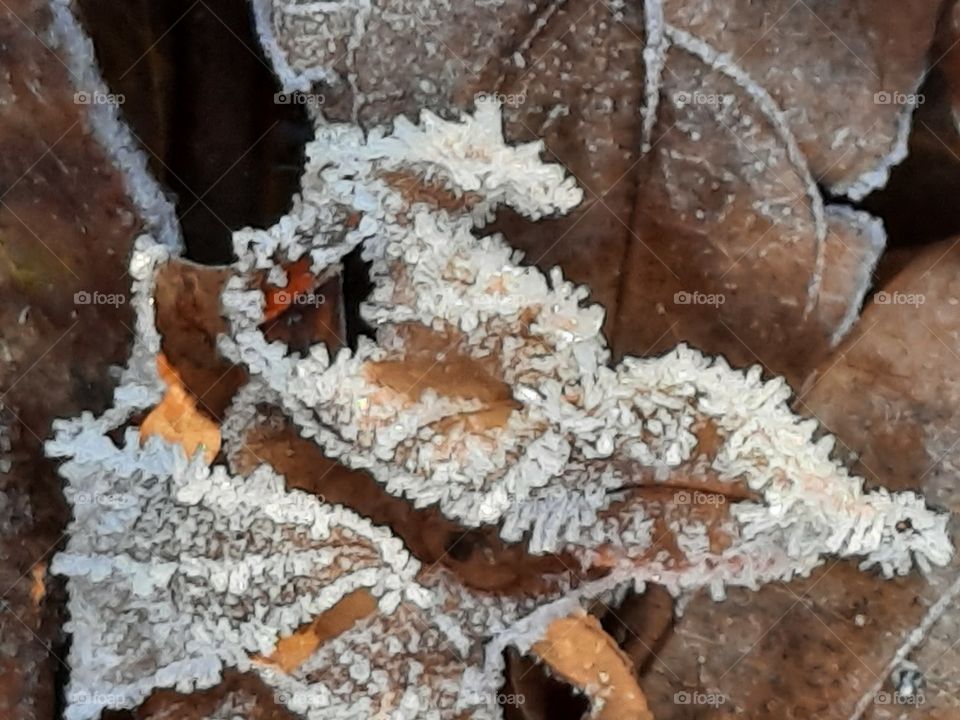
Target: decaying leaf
<point x="577" y="83"/>
<point x="237" y="695"/>
<point x="69" y="216"/>
<point x="903" y="434"/>
<point x="188" y="317"/>
<point x="739" y="253"/>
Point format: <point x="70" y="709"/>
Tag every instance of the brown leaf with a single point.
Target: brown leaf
<point x="309" y="316"/>
<point x="67" y="230"/>
<point x="246" y="690"/>
<point x="841" y="71"/>
<point x="809" y="648"/>
<point x="642" y="624"/>
<point x="906" y="350"/>
<point x="738" y="254"/>
<point x="580" y="89"/>
<point x="187" y="301"/>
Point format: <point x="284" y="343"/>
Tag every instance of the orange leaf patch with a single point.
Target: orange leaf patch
<point x="299" y="280"/>
<point x="294" y="650"/>
<point x="38" y="586"/>
<point x="579" y="651"/>
<point x="177" y="420"/>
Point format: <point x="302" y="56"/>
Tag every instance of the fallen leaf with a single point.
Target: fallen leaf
<point x="737" y="252"/>
<point x="579" y="87"/>
<point x="903" y="434"/>
<point x="247" y="690"/>
<point x="187" y="305"/>
<point x="843" y="72"/>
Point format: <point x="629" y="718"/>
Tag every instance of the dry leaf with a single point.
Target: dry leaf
<point x="244" y="690"/>
<point x="68" y="226"/>
<point x="903" y="432"/>
<point x="738" y="251"/>
<point x="580" y="88"/>
<point x="843" y="72"/>
<point x="187" y="302"/>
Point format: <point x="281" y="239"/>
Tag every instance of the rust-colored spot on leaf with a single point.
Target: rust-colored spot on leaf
<point x="299" y="280"/>
<point x="578" y="650"/>
<point x="177" y="419"/>
<point x="294" y="650"/>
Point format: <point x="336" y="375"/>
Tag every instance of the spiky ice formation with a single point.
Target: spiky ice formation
<point x="177" y="570"/>
<point x="581" y="429"/>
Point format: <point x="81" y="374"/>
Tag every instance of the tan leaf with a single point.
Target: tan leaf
<point x="577" y="649"/>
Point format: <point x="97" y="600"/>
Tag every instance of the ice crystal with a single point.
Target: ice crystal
<point x="178" y="570"/>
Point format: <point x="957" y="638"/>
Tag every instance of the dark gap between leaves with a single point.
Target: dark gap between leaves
<point x="357" y="287"/>
<point x="199" y="95"/>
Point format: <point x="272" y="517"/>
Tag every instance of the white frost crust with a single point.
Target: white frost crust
<point x="220" y="566"/>
<point x="177" y="570"/>
<point x="581" y="426"/>
<point x="655" y="59"/>
<point x="115" y="138"/>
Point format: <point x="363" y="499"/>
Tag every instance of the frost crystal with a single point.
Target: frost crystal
<point x="178" y="570"/>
